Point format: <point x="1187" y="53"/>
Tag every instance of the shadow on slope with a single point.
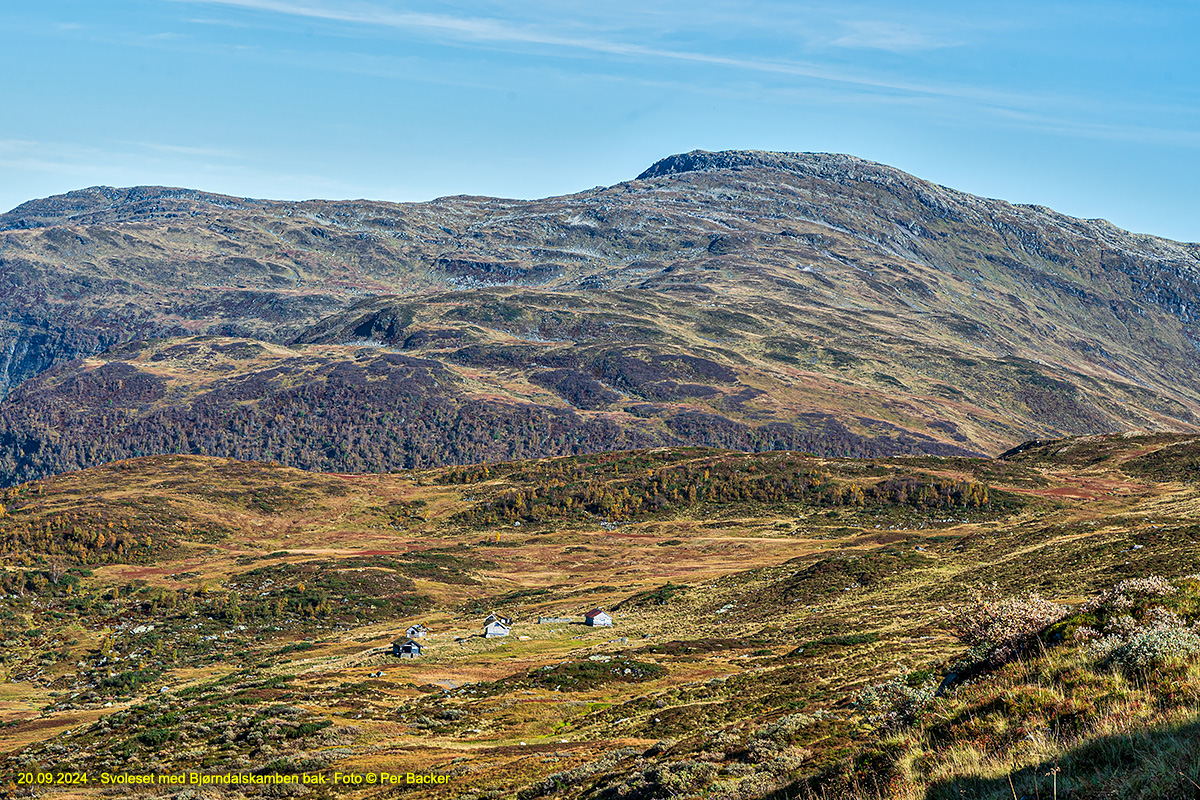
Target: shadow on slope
<point x="1162" y="764"/>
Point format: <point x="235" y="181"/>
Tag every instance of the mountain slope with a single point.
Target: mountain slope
<point x="825" y="290"/>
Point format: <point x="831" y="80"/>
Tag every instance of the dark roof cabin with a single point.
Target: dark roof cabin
<point x="406" y="648"/>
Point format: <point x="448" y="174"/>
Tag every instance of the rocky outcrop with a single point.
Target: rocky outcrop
<point x="29" y="348"/>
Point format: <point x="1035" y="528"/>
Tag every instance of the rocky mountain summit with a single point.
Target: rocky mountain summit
<point x="741" y="299"/>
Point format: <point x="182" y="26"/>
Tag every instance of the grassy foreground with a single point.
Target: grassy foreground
<point x="784" y="626"/>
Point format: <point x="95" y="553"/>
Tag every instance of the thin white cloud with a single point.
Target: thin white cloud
<point x="204" y="152"/>
<point x="50" y="167"/>
<point x="28" y="154"/>
<point x="64" y="152"/>
<point x="224" y="23"/>
<point x="890" y="36"/>
<point x="128" y="164"/>
<point x="500" y="32"/>
<point x="12" y="145"/>
<point x="1142" y="134"/>
<point x="481" y="28"/>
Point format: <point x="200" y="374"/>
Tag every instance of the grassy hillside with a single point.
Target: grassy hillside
<point x="782" y="624"/>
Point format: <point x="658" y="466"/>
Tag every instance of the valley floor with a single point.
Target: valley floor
<point x="780" y="625"/>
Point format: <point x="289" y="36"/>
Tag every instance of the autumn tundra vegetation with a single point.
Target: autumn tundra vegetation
<point x="784" y="625"/>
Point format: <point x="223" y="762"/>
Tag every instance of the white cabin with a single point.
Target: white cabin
<point x="598" y="618"/>
<point x="496" y="628"/>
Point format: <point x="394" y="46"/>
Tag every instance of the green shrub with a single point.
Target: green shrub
<point x="156" y="737"/>
<point x="895" y="704"/>
<point x="1147" y="648"/>
<point x="584" y="675"/>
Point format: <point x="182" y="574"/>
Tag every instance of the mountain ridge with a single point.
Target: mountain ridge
<point x="37" y="212"/>
<point x="829" y="286"/>
<point x="826" y="163"/>
<point x="89" y="205"/>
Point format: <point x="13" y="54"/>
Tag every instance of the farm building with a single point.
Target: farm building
<point x="416" y="631"/>
<point x="598" y="618"/>
<point x="406" y="648"/>
<point x="497" y="627"/>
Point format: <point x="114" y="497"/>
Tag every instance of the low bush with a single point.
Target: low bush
<point x="585" y="675"/>
<point x="1151" y="648"/>
<point x="1003" y="627"/>
<point x="894" y="703"/>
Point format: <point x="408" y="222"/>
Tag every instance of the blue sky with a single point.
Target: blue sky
<point x="1091" y="108"/>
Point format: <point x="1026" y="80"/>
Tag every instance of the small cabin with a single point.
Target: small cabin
<point x="416" y="631"/>
<point x="406" y="648"/>
<point x="496" y="628"/>
<point x="598" y="618"/>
